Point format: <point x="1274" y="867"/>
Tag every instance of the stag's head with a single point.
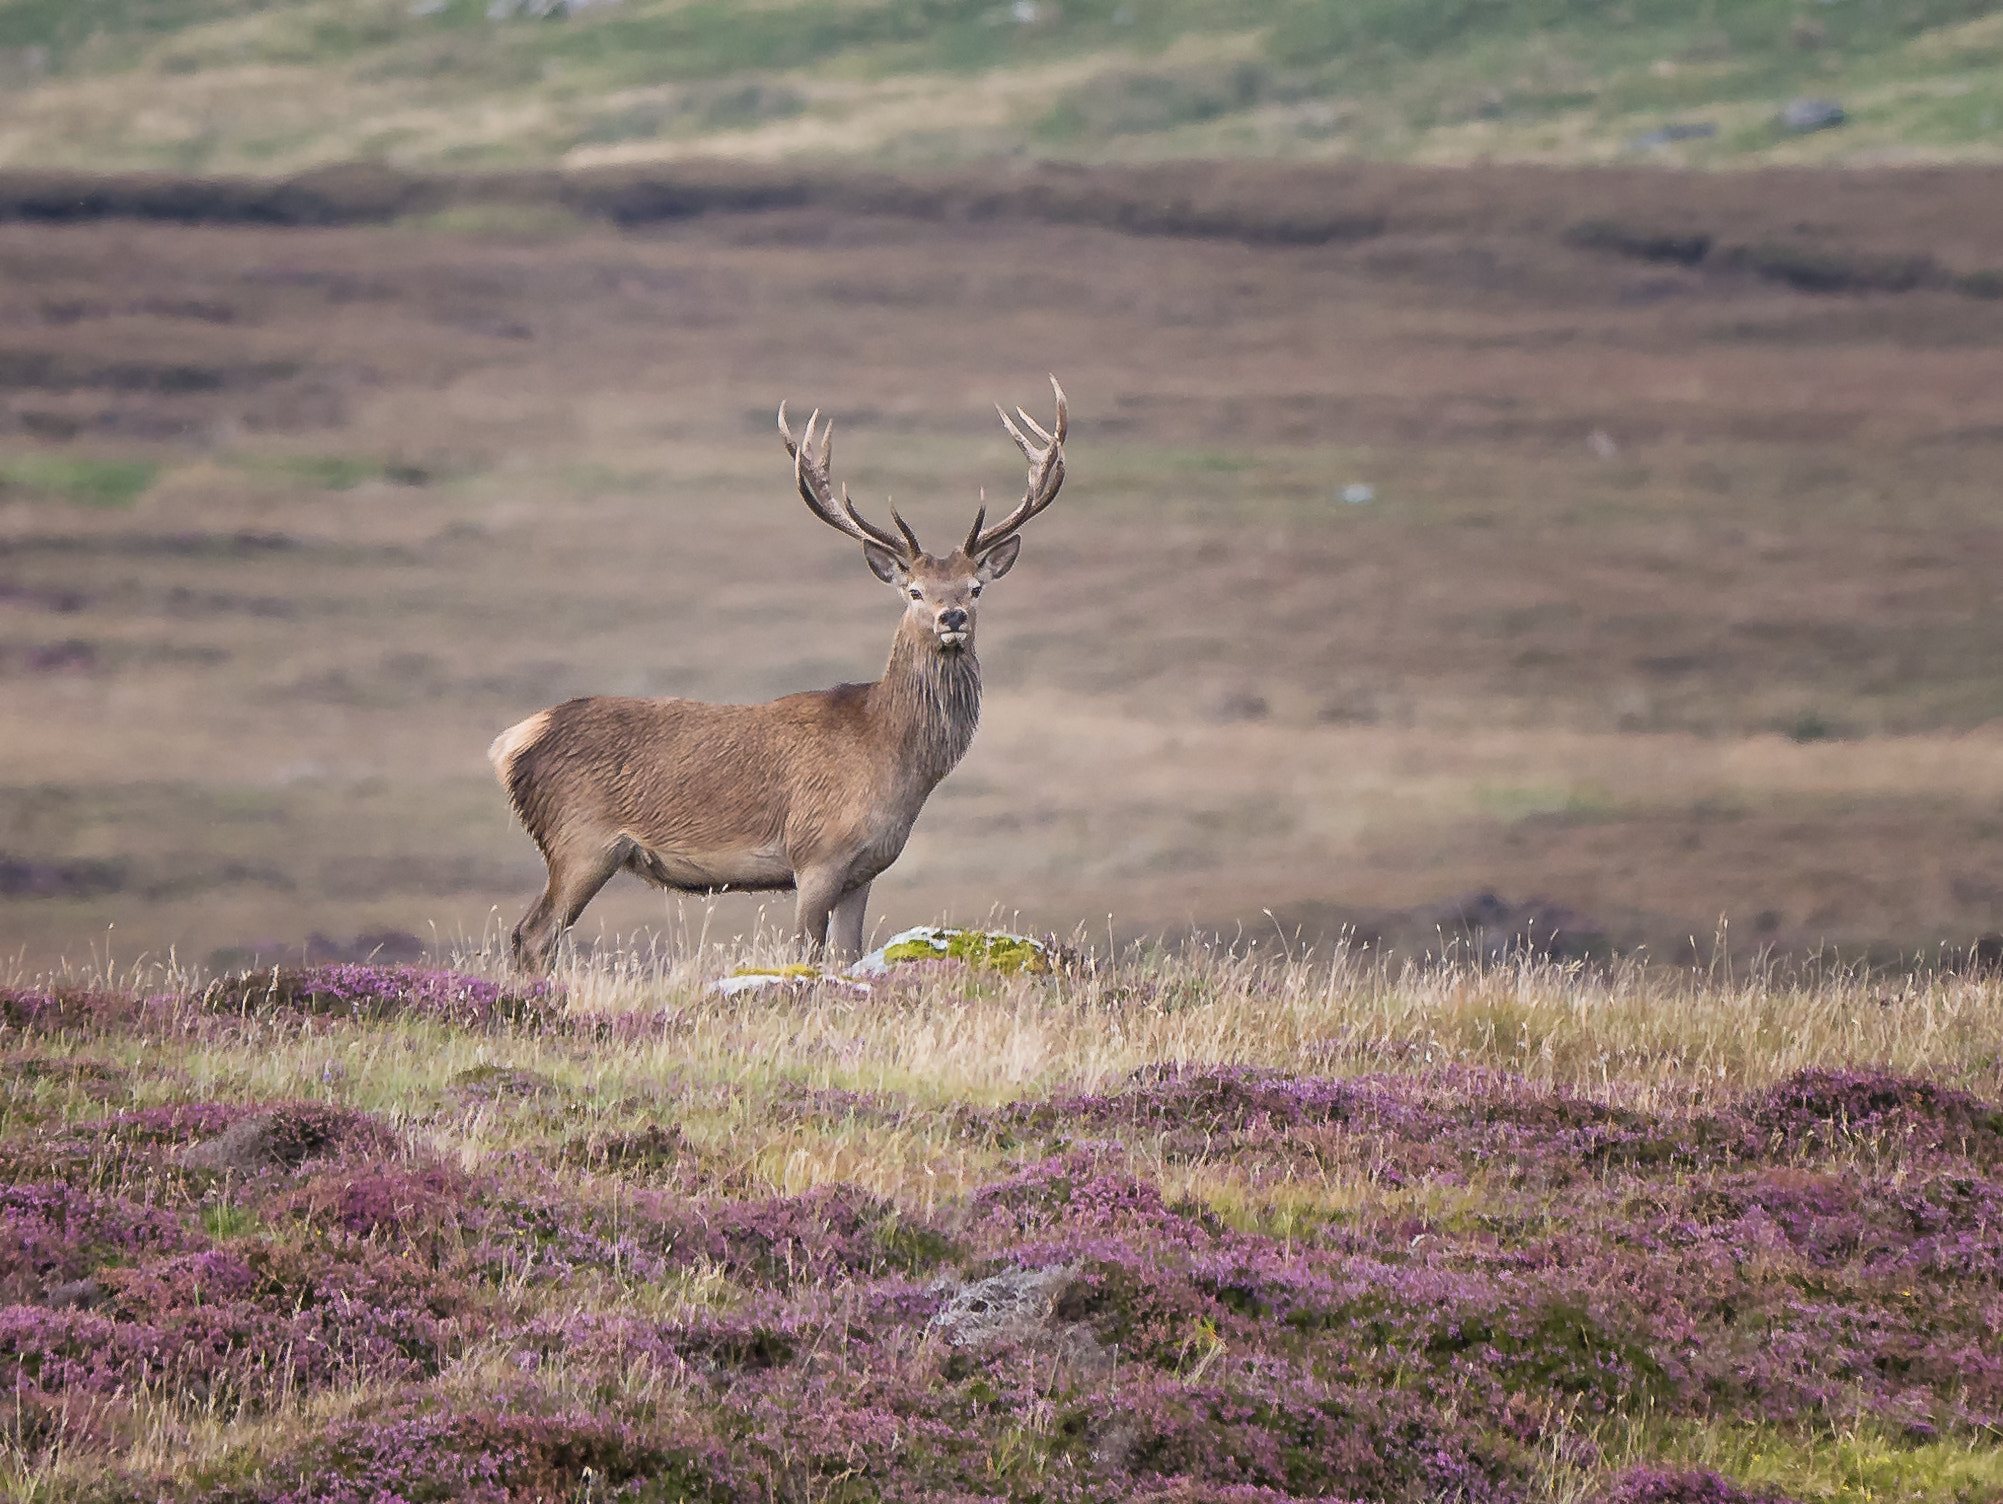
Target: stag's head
<point x="939" y="594"/>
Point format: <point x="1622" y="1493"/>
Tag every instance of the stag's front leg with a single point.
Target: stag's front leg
<point x="845" y="926"/>
<point x="820" y="891"/>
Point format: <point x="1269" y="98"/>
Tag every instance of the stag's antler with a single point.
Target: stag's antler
<point x="1046" y="474"/>
<point x="811" y="472"/>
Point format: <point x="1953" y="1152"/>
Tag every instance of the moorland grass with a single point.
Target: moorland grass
<point x="1534" y="1232"/>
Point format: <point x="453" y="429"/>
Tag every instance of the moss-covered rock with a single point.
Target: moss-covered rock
<point x="994" y="950"/>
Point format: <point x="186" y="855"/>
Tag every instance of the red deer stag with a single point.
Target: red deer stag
<point x="816" y="792"/>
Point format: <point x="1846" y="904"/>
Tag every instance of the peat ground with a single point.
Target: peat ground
<point x="1673" y="603"/>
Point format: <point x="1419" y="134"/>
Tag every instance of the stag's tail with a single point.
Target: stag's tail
<point x="507" y="750"/>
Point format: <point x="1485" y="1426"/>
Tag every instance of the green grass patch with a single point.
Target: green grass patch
<point x="1860" y="1465"/>
<point x="1513" y="802"/>
<point x="64" y="27"/>
<point x="1196" y="76"/>
<point x="714" y="38"/>
<point x="81" y="479"/>
<point x="1133" y="103"/>
<point x="226" y="1221"/>
<point x="1359" y="31"/>
<point x="338" y="472"/>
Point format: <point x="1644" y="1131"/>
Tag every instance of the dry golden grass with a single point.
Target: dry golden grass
<point x="1651" y="1036"/>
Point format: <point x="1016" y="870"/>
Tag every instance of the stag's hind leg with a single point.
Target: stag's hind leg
<point x="575" y="876"/>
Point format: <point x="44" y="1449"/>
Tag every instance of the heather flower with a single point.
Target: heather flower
<point x="1655" y="1485"/>
<point x="727" y="1345"/>
<point x="1072" y="1190"/>
<point x="1222" y="1098"/>
<point x="1819" y="1105"/>
<point x="411" y="1206"/>
<point x="1500" y="1265"/>
<point x="81" y="1010"/>
<point x="1288" y="1432"/>
<point x="825" y="1232"/>
<point x="364" y="991"/>
<point x="175" y="1123"/>
<point x="238" y="1326"/>
<point x="54" y="1234"/>
<point x="414" y="1454"/>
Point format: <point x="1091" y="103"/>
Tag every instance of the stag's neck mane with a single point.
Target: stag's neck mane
<point x="927" y="704"/>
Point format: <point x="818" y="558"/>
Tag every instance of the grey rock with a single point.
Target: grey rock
<point x="1666" y="135"/>
<point x="247" y="1147"/>
<point x="1012" y="1307"/>
<point x="1804" y="115"/>
<point x="269" y="1141"/>
<point x="77" y="1295"/>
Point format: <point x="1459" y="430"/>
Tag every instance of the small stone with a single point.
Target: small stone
<point x="1804" y="115"/>
<point x="77" y="1295"/>
<point x="1669" y="135"/>
<point x="1011" y="1307"/>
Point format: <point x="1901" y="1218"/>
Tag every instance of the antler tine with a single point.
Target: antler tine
<point x="974" y="532"/>
<point x="1046" y="472"/>
<point x="812" y="478"/>
<point x="1030" y="423"/>
<point x="810" y="473"/>
<point x="904" y="528"/>
<point x="871" y="533"/>
<point x="1030" y="451"/>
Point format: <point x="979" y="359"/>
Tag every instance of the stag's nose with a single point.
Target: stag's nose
<point x="954" y="620"/>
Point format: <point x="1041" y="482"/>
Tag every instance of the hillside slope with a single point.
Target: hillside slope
<point x="278" y="85"/>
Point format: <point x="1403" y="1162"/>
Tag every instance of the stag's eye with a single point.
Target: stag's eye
<point x="976" y="592"/>
<point x="917" y="594"/>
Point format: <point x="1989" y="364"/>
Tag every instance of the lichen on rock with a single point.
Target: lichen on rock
<point x="995" y="950"/>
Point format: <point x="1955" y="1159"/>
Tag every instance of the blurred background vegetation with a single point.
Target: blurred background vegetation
<point x="279" y="85"/>
<point x="1566" y="545"/>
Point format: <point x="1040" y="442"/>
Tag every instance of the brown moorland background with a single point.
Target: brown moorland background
<point x="1676" y="599"/>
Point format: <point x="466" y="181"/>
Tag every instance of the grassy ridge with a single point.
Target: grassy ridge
<point x="204" y="84"/>
<point x="1181" y="1228"/>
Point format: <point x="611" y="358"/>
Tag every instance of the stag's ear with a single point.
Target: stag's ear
<point x="883" y="564"/>
<point x="1000" y="559"/>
